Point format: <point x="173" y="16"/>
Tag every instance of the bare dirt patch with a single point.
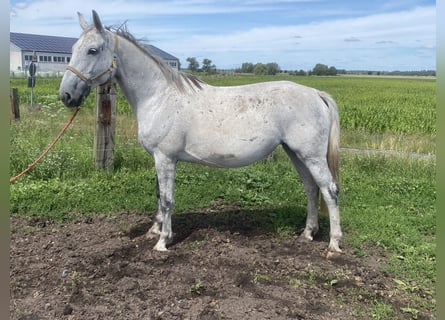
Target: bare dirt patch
<point x="104" y="268"/>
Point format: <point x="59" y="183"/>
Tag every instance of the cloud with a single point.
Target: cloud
<point x="419" y="23"/>
<point x="21" y="5"/>
<point x="401" y="26"/>
<point x="352" y="39"/>
<point x="140" y="8"/>
<point x="325" y="42"/>
<point x="36" y="14"/>
<point x="386" y="42"/>
<point x="313" y="41"/>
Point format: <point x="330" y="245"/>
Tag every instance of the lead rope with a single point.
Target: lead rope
<point x="44" y="153"/>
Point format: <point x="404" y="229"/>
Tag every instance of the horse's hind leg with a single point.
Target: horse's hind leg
<point x="311" y="189"/>
<point x="329" y="189"/>
<point x="315" y="172"/>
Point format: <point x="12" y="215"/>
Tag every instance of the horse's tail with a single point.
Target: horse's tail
<point x="333" y="152"/>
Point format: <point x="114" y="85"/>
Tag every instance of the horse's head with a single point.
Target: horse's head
<point x="92" y="63"/>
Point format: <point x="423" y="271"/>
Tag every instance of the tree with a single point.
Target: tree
<point x="260" y="69"/>
<point x="332" y="71"/>
<point x="193" y="64"/>
<point x="320" y="69"/>
<point x="323" y="70"/>
<point x="208" y="67"/>
<point x="273" y="68"/>
<point x="300" y="72"/>
<point x="247" y="67"/>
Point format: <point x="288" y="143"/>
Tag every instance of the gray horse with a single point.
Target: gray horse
<point x="181" y="118"/>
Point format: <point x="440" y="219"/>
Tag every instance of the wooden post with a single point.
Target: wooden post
<point x="14" y="103"/>
<point x="105" y="126"/>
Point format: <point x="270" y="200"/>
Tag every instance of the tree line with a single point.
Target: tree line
<point x="259" y="68"/>
<point x="270" y="68"/>
<point x="273" y="68"/>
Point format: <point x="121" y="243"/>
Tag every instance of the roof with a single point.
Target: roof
<point x="34" y="42"/>
<point x="160" y="53"/>
<point x="41" y="43"/>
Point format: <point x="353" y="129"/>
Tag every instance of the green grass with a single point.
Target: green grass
<point x="387" y="203"/>
<point x="390" y="204"/>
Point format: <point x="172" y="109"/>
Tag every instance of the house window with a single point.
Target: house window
<point x="28" y="57"/>
<point x="45" y="58"/>
<point x="59" y="59"/>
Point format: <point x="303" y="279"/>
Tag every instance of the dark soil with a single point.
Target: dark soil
<point x="221" y="266"/>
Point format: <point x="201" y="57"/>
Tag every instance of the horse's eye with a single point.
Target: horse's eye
<point x="93" y="51"/>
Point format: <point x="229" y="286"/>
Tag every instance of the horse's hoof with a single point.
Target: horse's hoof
<point x="331" y="255"/>
<point x="160" y="247"/>
<point x="305" y="237"/>
<point x="334" y="246"/>
<point x="308" y="234"/>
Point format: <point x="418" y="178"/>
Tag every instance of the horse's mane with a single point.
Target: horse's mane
<point x="172" y="76"/>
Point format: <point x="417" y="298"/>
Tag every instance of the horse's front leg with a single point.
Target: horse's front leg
<point x="165" y="170"/>
<point x="155" y="229"/>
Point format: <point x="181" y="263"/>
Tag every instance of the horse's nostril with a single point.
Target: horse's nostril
<point x="67" y="97"/>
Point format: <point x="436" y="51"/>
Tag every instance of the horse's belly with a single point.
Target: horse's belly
<point x="229" y="153"/>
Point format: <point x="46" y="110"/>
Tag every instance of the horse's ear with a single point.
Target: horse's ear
<point x="97" y="22"/>
<point x="82" y="21"/>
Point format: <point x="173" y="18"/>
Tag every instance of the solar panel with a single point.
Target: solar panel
<point x="41" y="43"/>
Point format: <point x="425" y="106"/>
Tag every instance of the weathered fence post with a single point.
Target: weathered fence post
<point x="105" y="126"/>
<point x="14" y="103"/>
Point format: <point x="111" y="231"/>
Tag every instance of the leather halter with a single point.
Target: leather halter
<point x="90" y="81"/>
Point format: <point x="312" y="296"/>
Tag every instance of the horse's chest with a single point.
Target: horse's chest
<point x="158" y="133"/>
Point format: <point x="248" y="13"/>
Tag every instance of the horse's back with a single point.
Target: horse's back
<point x="264" y="98"/>
<point x="260" y="106"/>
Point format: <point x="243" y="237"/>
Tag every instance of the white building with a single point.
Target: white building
<point x="53" y="53"/>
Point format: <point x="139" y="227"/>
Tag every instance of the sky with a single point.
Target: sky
<point x="297" y="34"/>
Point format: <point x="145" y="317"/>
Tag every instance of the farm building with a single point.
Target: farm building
<point x="52" y="53"/>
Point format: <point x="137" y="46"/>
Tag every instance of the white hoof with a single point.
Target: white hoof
<point x="308" y="234"/>
<point x="160" y="246"/>
<point x="332" y="255"/>
<point x="304" y="238"/>
<point x="333" y="246"/>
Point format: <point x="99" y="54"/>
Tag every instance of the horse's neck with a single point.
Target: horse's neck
<point x="138" y="75"/>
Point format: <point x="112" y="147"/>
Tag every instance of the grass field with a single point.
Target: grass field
<point x="387" y="203"/>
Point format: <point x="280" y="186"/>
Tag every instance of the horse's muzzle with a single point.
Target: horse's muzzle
<point x="69" y="100"/>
